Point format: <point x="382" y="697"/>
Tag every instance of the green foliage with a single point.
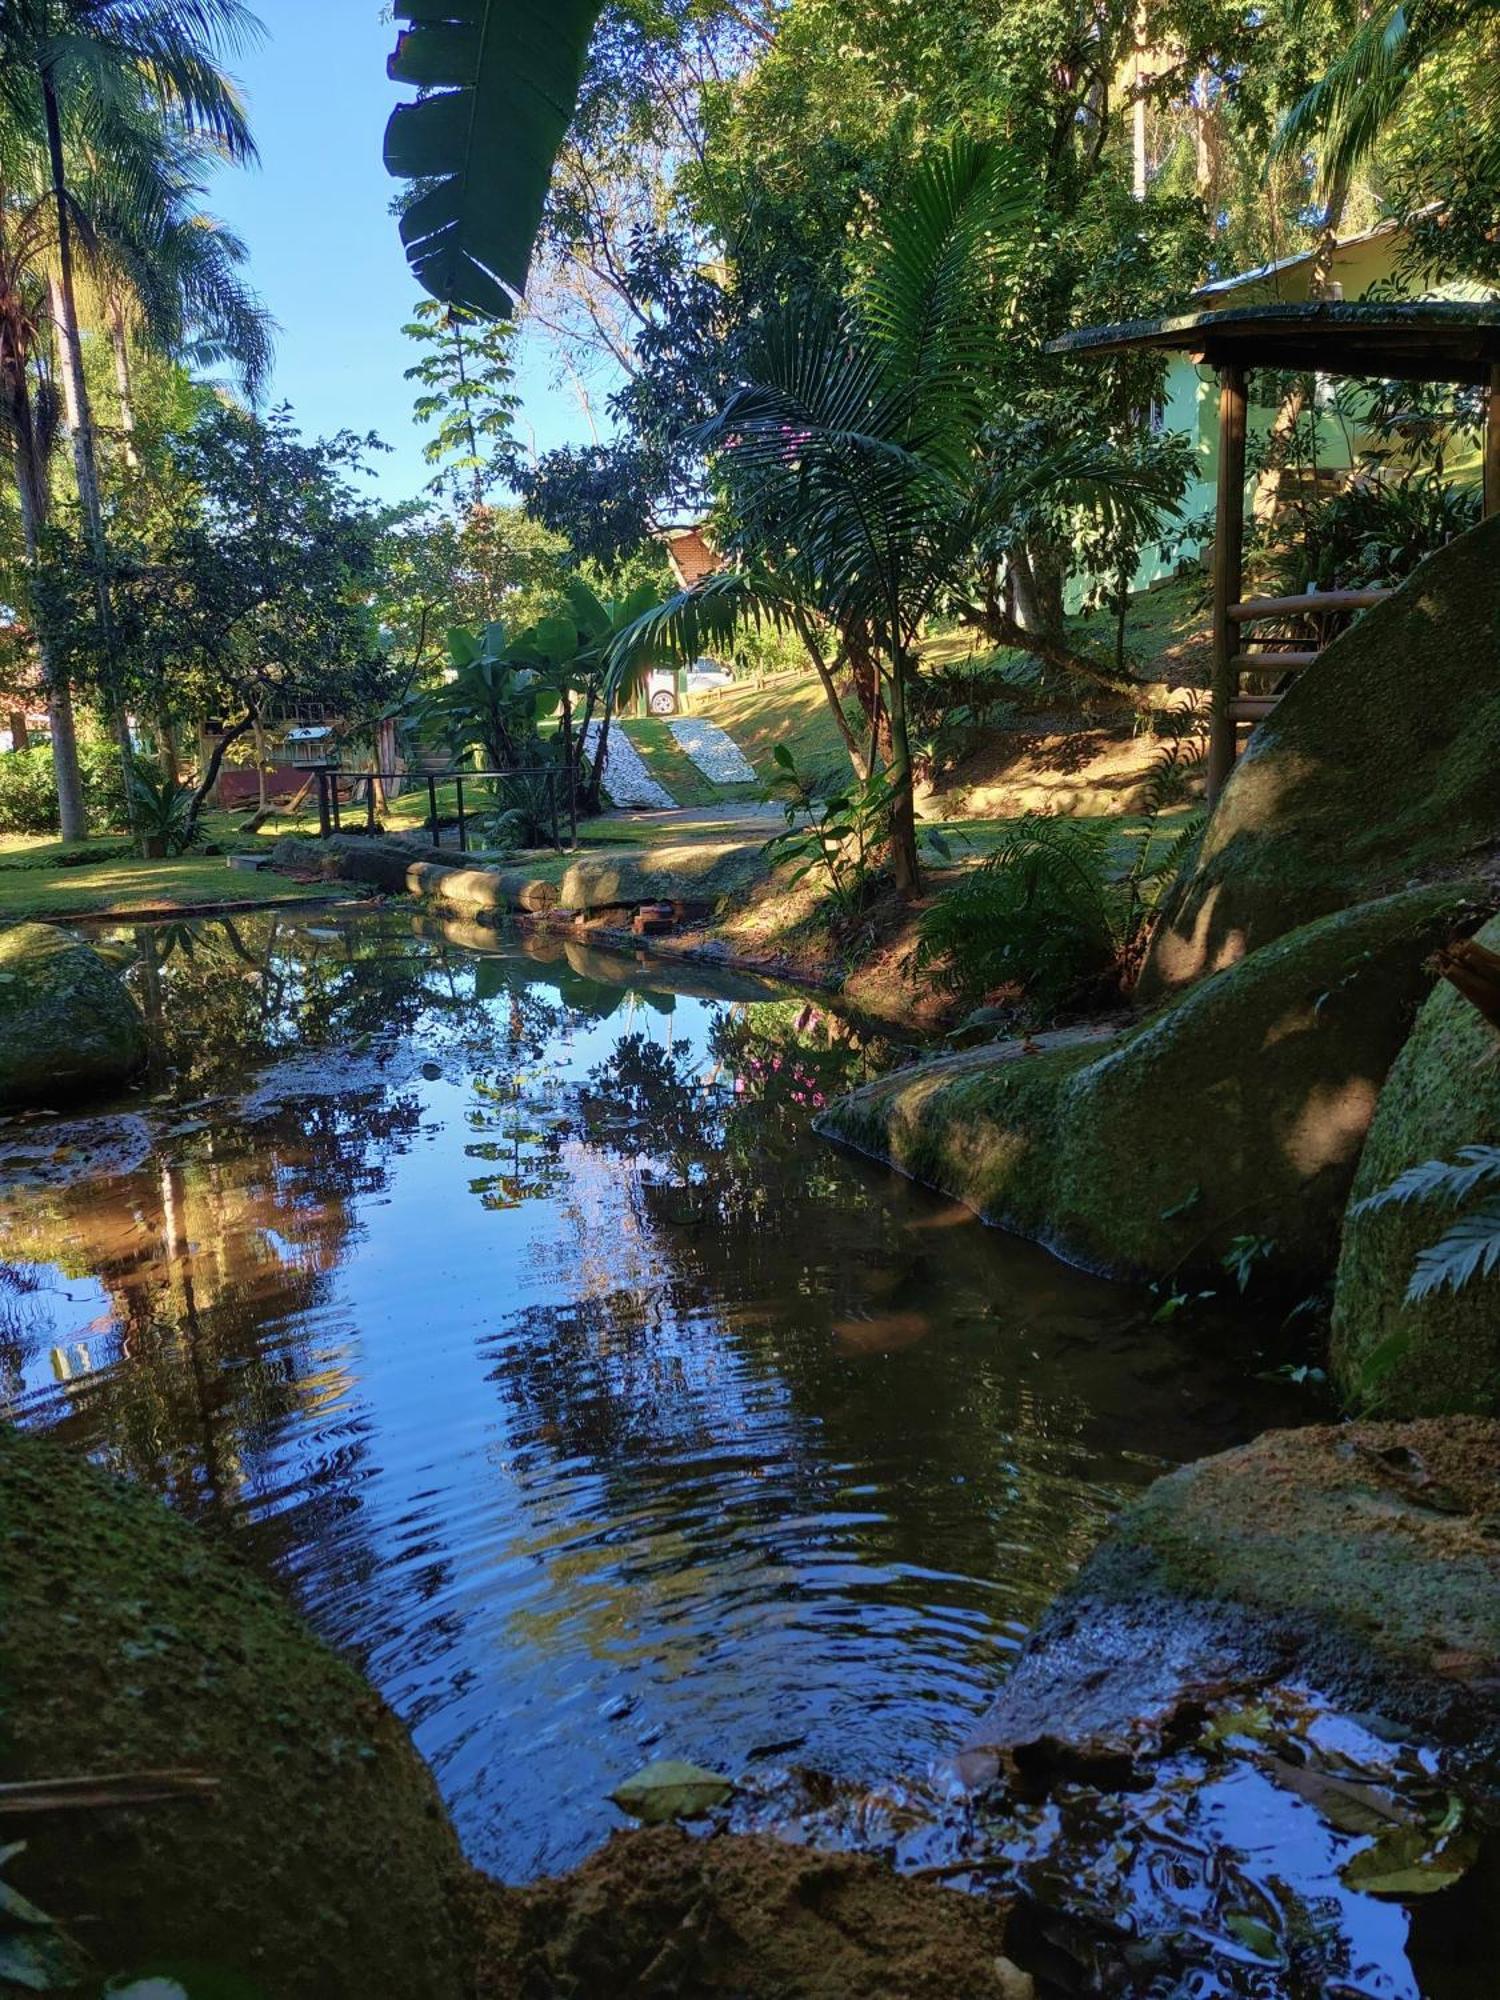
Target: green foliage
<point x="1469" y="1247"/>
<point x="836" y="829"/>
<point x="466" y="402"/>
<point x="164" y="812"/>
<point x="28" y="788"/>
<point x="246" y="583"/>
<point x="492" y="699"/>
<point x="1051" y="919"/>
<point x="497" y="97"/>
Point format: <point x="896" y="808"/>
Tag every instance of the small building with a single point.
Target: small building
<point x="1367" y="265"/>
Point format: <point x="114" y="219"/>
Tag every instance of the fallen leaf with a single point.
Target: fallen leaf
<point x="1347" y="1806"/>
<point x="1253" y="1934"/>
<point x="1405" y="1862"/>
<point x="671" y="1790"/>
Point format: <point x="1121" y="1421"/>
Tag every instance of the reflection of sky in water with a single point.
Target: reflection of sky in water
<point x="590" y="1456"/>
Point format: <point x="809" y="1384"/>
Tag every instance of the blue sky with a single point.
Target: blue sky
<point x="324" y="251"/>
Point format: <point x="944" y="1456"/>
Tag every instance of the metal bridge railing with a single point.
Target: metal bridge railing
<point x="332" y="805"/>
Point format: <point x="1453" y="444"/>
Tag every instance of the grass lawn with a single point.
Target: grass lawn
<point x="788" y="708"/>
<point x="122" y="886"/>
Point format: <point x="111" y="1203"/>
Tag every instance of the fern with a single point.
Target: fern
<point x="1470" y="1247"/>
<point x="1450" y="1181"/>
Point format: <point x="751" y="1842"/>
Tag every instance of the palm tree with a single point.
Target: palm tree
<point x="85" y="66"/>
<point x="29" y="426"/>
<point x="860" y="478"/>
<point x="1350" y="107"/>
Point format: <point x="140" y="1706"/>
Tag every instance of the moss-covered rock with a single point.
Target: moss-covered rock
<point x="1361" y="1558"/>
<point x="130" y="1642"/>
<point x="1237" y="1110"/>
<point x="1443" y="1353"/>
<point x="67" y="1024"/>
<point x="1376" y="769"/>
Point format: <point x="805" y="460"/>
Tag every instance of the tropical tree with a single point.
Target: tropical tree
<point x="466" y="402"/>
<point x="249" y="585"/>
<point x="69" y="67"/>
<point x="29" y="420"/>
<point x="862" y="481"/>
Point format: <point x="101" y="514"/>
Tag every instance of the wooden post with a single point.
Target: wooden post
<point x="1492" y="443"/>
<point x="325" y="824"/>
<point x="1229" y="531"/>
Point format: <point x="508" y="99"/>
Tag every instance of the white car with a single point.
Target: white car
<point x="708" y="677"/>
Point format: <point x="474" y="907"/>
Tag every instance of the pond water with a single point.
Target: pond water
<point x="497" y="1296"/>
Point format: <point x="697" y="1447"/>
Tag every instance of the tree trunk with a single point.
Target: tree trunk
<point x="20" y="735"/>
<point x="121" y="345"/>
<point x="825" y="675"/>
<point x="80" y="419"/>
<point x="32" y="496"/>
<point x="211" y="775"/>
<point x="904" y="861"/>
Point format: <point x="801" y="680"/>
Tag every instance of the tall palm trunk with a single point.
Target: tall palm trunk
<point x="124" y="389"/>
<point x="32" y="495"/>
<point x="80" y="418"/>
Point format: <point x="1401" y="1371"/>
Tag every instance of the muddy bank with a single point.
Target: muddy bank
<point x="663" y="1913"/>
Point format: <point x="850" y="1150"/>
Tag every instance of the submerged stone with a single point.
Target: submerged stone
<point x="67" y="1023"/>
<point x="1377" y="768"/>
<point x="1440" y="1353"/>
<point x="1236" y="1114"/>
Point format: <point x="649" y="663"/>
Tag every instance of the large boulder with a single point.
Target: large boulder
<point x="1377" y="769"/>
<point x="1238" y="1110"/>
<point x="67" y="1023"/>
<point x="1441" y="1353"/>
<point x="132" y="1642"/>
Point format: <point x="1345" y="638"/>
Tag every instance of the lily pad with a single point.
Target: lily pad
<point x="671" y="1790"/>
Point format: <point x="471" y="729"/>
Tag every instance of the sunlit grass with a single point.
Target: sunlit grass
<point x="126" y="886"/>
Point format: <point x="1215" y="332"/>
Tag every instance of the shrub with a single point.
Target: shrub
<point x="28" y="789"/>
<point x="1051" y="915"/>
<point x="28" y="792"/>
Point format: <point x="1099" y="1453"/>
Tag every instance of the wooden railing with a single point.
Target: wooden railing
<point x="1282" y="657"/>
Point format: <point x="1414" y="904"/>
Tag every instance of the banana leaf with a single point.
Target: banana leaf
<point x="499" y="80"/>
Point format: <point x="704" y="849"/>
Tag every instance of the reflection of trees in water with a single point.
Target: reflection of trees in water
<point x="213" y="1258"/>
<point x="222" y="996"/>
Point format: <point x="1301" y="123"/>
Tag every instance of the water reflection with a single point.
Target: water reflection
<point x="501" y="1301"/>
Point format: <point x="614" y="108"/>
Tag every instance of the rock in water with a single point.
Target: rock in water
<point x="1359" y="1558"/>
<point x="1377" y="768"/>
<point x="130" y="1641"/>
<point x="67" y="1024"/>
<point x="1238" y="1110"/>
<point x="1441" y="1353"/>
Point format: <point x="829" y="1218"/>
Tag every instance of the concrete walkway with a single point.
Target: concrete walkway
<point x="626" y="778"/>
<point x="714" y="751"/>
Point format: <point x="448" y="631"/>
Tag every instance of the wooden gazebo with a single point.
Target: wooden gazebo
<point x="1420" y="341"/>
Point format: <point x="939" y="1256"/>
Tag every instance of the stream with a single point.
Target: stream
<point x="494" y="1293"/>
